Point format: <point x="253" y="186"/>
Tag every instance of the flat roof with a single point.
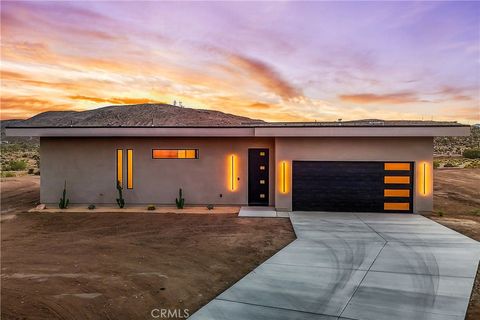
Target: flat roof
<point x="355" y="123"/>
<point x="363" y="128"/>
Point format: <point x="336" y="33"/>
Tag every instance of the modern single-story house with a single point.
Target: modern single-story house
<point x="370" y="166"/>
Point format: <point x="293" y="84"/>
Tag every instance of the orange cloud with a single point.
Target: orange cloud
<point x="21" y="107"/>
<point x="266" y="75"/>
<point x="371" y="98"/>
<point x="260" y="105"/>
<point x="467" y="113"/>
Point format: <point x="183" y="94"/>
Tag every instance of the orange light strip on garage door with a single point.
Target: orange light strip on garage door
<point x="396" y="206"/>
<point x="397" y="179"/>
<point x="396" y="193"/>
<point x="397" y="166"/>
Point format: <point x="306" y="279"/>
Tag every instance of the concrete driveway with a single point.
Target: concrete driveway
<point x="357" y="266"/>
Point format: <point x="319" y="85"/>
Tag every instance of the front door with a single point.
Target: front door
<point x="258" y="177"/>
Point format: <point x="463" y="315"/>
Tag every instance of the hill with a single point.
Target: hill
<point x="454" y="146"/>
<point x="137" y="115"/>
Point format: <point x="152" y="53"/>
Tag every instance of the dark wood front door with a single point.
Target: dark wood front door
<point x="258" y="177"/>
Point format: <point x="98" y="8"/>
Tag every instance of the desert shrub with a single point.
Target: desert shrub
<point x="30" y="171"/>
<point x="36" y="157"/>
<point x="449" y="165"/>
<point x="210" y="206"/>
<point x="440" y="213"/>
<point x="473" y="165"/>
<point x="17" y="165"/>
<point x="8" y="174"/>
<point x="151" y="207"/>
<point x="180" y="201"/>
<point x="91" y="207"/>
<point x="471" y="153"/>
<point x="436" y="164"/>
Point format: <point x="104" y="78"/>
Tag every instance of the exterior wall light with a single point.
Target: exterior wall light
<point x="232" y="172"/>
<point x="283" y="181"/>
<point x="425" y="179"/>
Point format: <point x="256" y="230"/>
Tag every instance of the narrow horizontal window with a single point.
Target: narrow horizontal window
<point x="175" y="153"/>
<point x="396" y="193"/>
<point x="397" y="179"/>
<point x="396" y="206"/>
<point x="397" y="166"/>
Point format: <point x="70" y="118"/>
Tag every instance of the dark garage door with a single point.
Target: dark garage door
<point x="352" y="186"/>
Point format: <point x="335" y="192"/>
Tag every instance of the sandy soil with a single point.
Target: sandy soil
<point x="18" y="194"/>
<point x="457" y="206"/>
<point x="121" y="266"/>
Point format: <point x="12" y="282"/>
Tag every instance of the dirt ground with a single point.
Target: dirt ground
<point x="121" y="266"/>
<point x="19" y="194"/>
<point x="457" y="206"/>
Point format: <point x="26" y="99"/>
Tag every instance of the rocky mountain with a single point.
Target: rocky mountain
<point x="127" y="115"/>
<point x="137" y="115"/>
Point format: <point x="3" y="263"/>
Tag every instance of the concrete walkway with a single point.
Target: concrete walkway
<point x="357" y="266"/>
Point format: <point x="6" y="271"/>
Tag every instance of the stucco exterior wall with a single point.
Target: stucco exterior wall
<point x="89" y="166"/>
<point x="417" y="149"/>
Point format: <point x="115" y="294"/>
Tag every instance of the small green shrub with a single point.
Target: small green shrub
<point x="210" y="207"/>
<point x="440" y="213"/>
<point x="8" y="174"/>
<point x="91" y="207"/>
<point x="471" y="153"/>
<point x="449" y="165"/>
<point x="63" y="203"/>
<point x="151" y="207"/>
<point x="16" y="165"/>
<point x="180" y="201"/>
<point x="436" y="164"/>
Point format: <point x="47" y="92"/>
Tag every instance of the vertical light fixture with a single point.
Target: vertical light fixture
<point x="425" y="179"/>
<point x="232" y="168"/>
<point x="283" y="177"/>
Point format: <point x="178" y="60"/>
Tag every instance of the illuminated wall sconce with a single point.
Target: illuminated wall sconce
<point x="284" y="187"/>
<point x="425" y="178"/>
<point x="232" y="172"/>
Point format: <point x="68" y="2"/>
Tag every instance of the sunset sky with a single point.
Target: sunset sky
<point x="277" y="61"/>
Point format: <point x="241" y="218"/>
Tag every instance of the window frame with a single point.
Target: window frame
<point x="197" y="154"/>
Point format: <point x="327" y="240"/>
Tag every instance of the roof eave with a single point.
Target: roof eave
<point x="353" y="131"/>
